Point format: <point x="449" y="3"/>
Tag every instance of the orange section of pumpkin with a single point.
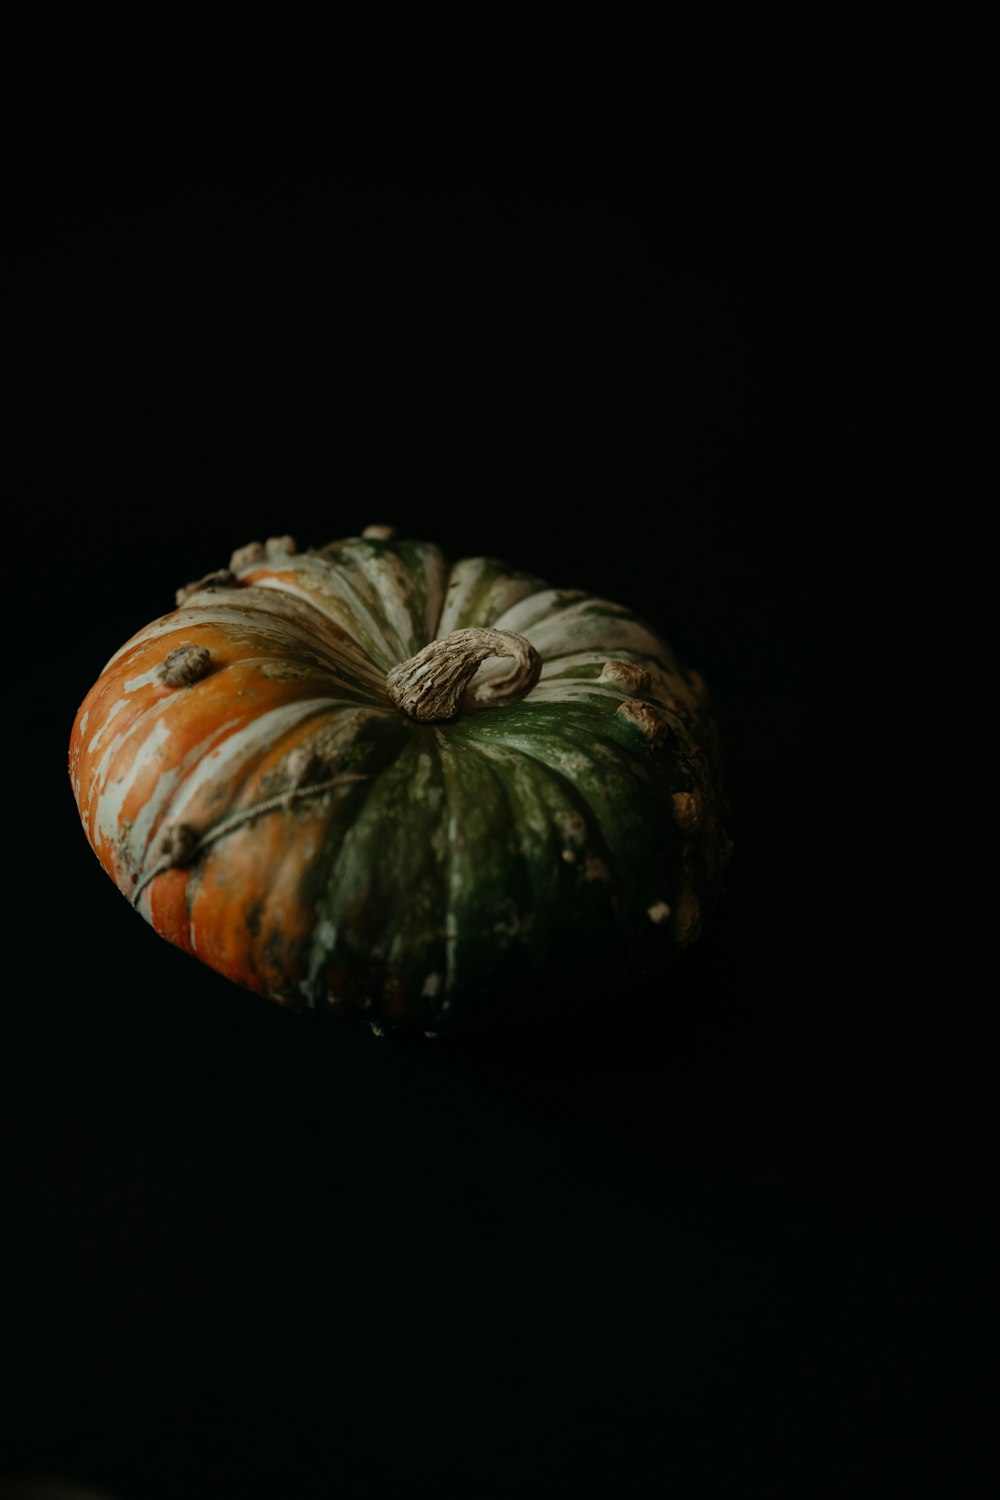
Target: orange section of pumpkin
<point x="252" y="931"/>
<point x="233" y="694"/>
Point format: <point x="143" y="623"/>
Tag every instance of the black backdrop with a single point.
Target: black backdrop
<point x="720" y="345"/>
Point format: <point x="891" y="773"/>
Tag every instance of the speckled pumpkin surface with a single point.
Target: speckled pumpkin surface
<point x="320" y="776"/>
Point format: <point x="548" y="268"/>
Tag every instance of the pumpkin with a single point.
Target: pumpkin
<point x="366" y="783"/>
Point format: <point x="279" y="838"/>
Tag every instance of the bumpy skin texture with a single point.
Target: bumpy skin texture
<point x="448" y="876"/>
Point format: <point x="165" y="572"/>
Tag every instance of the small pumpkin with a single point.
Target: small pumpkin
<point x="366" y="782"/>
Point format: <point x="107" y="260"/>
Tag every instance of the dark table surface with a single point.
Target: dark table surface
<point x="722" y="354"/>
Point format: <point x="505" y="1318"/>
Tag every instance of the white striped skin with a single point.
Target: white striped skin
<point x="481" y="864"/>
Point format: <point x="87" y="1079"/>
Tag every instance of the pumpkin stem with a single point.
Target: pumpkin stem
<point x="430" y="685"/>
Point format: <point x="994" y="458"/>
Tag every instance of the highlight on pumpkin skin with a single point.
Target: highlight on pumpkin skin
<point x="373" y="784"/>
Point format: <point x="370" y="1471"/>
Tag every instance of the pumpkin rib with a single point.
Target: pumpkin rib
<point x="545" y="604"/>
<point x="581" y="625"/>
<point x="338" y="649"/>
<point x="598" y="658"/>
<point x="240" y="863"/>
<point x="117" y="787"/>
<point x="571" y="689"/>
<point x="200" y="777"/>
<point x="251" y="929"/>
<point x="360" y="899"/>
<point x="282" y="587"/>
<point x="282" y="801"/>
<point x="586" y="670"/>
<point x="333" y="588"/>
<point x="174" y="715"/>
<point x="152" y="711"/>
<point x="436" y="569"/>
<point x="449" y="915"/>
<point x="170" y="717"/>
<point x="576" y="795"/>
<point x="575" y="854"/>
<point x="264" y="755"/>
<point x="228" y="622"/>
<point x="355" y="697"/>
<point x="225" y="884"/>
<point x="480" y="590"/>
<point x="332" y="656"/>
<point x="352" y="577"/>
<point x="231" y="605"/>
<point x="490" y="919"/>
<point x="631" y="768"/>
<point x="405" y="603"/>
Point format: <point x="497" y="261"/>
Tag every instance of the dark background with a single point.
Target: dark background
<point x="716" y="341"/>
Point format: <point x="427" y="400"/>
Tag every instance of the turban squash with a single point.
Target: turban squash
<point x="365" y="782"/>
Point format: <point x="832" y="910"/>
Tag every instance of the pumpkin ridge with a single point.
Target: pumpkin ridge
<point x="600" y="852"/>
<point x="436" y="631"/>
<point x="543" y="606"/>
<point x="186" y="788"/>
<point x="523" y="884"/>
<point x="594" y="655"/>
<point x="350" y="563"/>
<point x="330" y="651"/>
<point x="228" y="617"/>
<point x="650" y="877"/>
<point x="279" y="802"/>
<point x="326" y="881"/>
<point x="353" y="697"/>
<point x="435" y="573"/>
<point x="579" y="625"/>
<point x="147" y="716"/>
<point x="450" y="890"/>
<point x="223" y="919"/>
<point x="578" y="797"/>
<point x="398" y="574"/>
<point x="474" y="605"/>
<point x="320" y="567"/>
